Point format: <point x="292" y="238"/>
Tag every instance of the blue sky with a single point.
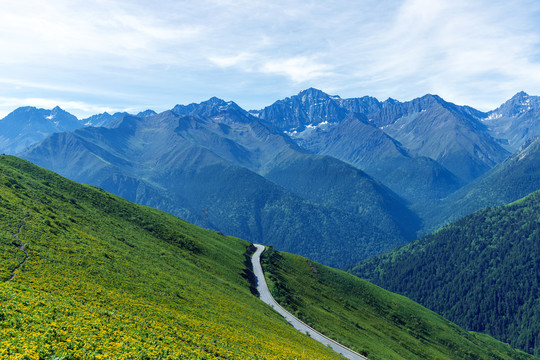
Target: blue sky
<point x="94" y="56"/>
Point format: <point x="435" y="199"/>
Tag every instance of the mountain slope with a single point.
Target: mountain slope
<point x="27" y="125"/>
<point x="481" y="272"/>
<point x="105" y="278"/>
<point x="85" y="274"/>
<point x="368" y="319"/>
<point x="328" y="182"/>
<point x="450" y="135"/>
<point x="358" y="142"/>
<point x="155" y="162"/>
<point x="509" y="181"/>
<point x="516" y="121"/>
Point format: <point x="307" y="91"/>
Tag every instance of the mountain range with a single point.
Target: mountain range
<point x="228" y="171"/>
<point x="428" y="126"/>
<point x="348" y="178"/>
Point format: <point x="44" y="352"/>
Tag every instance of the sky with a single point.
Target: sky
<point x="117" y="55"/>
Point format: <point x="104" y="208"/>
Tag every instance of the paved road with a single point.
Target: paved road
<point x="299" y="325"/>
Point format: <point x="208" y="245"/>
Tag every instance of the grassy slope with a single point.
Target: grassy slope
<point x="371" y="320"/>
<point x="107" y="279"/>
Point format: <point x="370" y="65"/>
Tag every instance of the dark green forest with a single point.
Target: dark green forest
<point x="481" y="272"/>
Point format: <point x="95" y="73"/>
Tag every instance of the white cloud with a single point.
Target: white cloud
<point x="298" y="69"/>
<point x="470" y="52"/>
<point x="232" y="61"/>
<point x="459" y="49"/>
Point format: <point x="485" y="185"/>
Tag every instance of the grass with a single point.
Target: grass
<point x="369" y="319"/>
<point x="107" y="279"/>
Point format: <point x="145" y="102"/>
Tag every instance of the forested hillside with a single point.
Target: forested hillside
<point x="482" y="272"/>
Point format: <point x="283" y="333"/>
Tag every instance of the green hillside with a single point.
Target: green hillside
<point x="88" y="275"/>
<point x="482" y="272"/>
<point x="370" y="320"/>
<point x="512" y="179"/>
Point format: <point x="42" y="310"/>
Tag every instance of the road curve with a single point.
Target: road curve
<point x="265" y="296"/>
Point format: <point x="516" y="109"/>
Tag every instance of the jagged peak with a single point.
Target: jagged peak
<point x="390" y="101"/>
<point x="209" y="107"/>
<point x="147" y="112"/>
<point x="520" y="95"/>
<point x="214" y="101"/>
<point x="432" y="97"/>
<point x="313" y="94"/>
<point x="518" y="104"/>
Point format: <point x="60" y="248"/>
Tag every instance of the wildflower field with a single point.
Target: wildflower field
<point x="88" y="275"/>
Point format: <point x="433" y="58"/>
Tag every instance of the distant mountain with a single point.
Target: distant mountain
<point x="509" y="181"/>
<point x="147" y="112"/>
<point x="241" y="139"/>
<point x="359" y="142"/>
<point x="452" y="136"/>
<point x="208" y="167"/>
<point x="482" y="272"/>
<point x="28" y="125"/>
<point x="103" y="119"/>
<point x="516" y="121"/>
<point x="309" y="107"/>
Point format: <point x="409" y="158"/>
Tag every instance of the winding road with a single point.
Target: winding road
<point x="265" y="296"/>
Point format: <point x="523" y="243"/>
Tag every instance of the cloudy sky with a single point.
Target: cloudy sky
<point x="115" y="55"/>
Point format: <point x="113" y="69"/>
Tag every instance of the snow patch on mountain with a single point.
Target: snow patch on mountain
<point x="492" y="116"/>
<point x="308" y="129"/>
